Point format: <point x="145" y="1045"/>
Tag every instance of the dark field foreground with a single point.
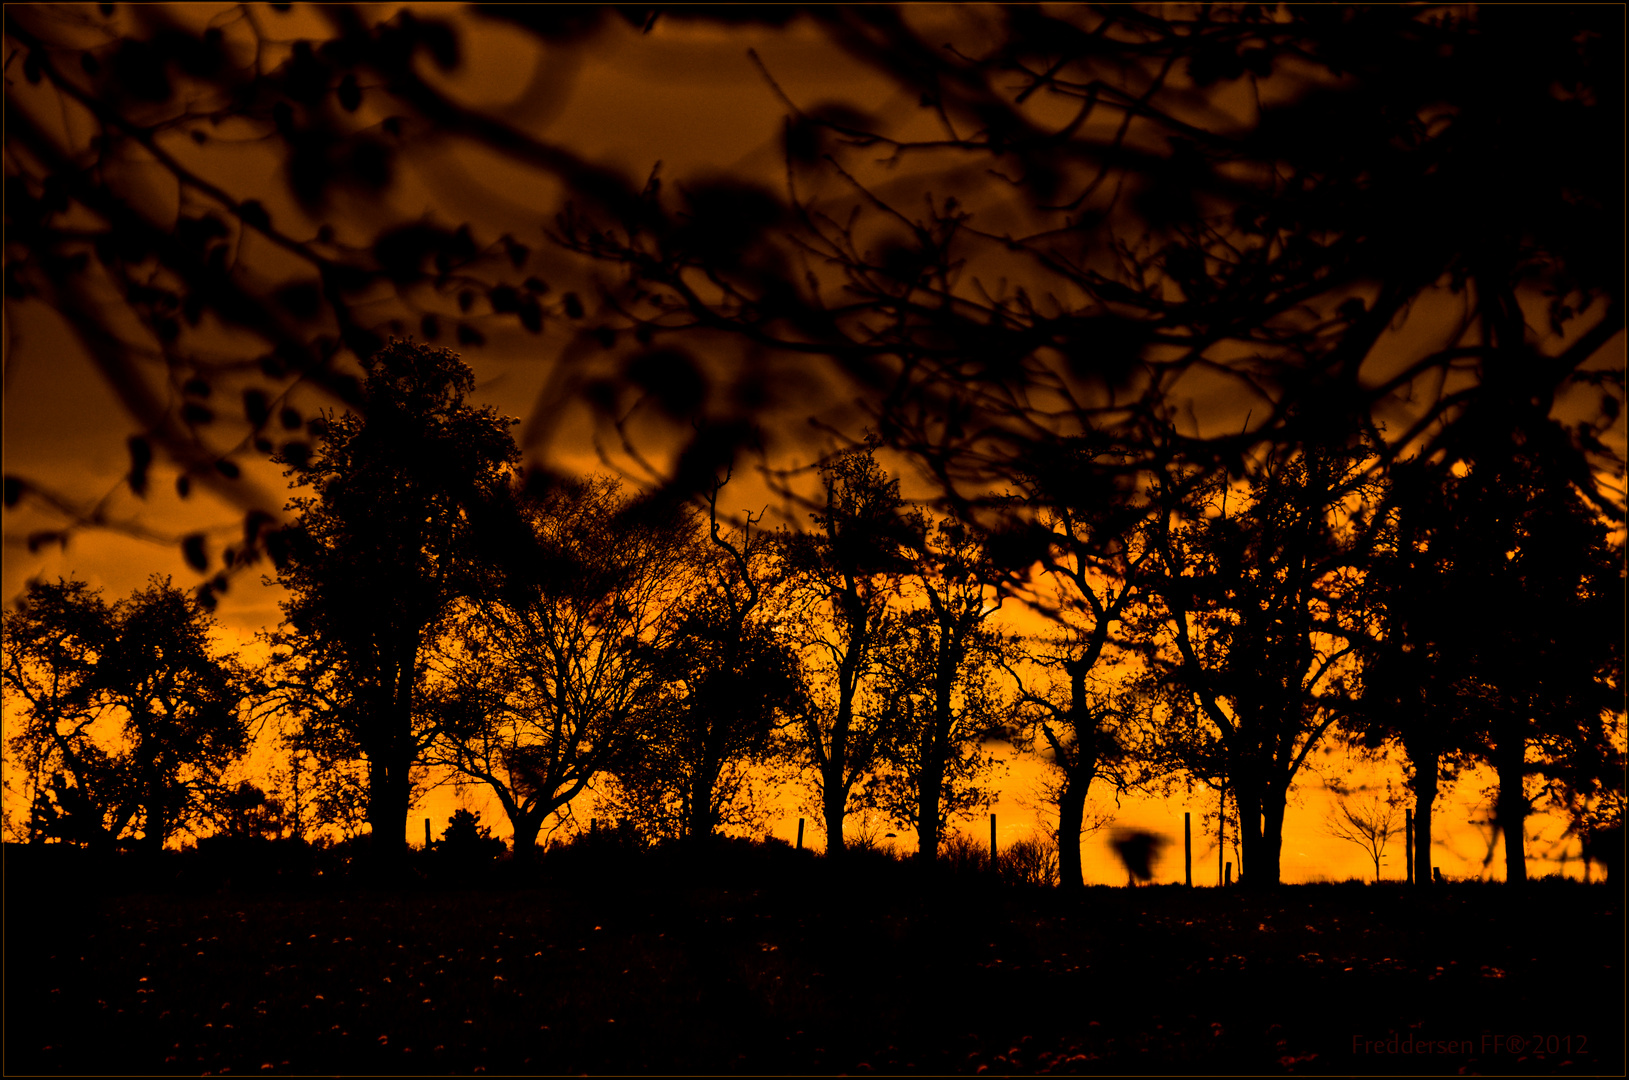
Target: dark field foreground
<point x="769" y="962"/>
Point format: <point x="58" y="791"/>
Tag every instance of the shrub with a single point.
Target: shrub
<point x="962" y="854"/>
<point x="467" y="842"/>
<point x="1031" y="861"/>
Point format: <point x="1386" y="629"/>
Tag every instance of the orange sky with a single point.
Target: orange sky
<point x="690" y="97"/>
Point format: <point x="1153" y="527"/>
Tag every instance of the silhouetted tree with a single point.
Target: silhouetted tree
<point x="1367" y="820"/>
<point x="732" y="684"/>
<point x="550" y="678"/>
<point x="385" y="547"/>
<point x="1260" y="590"/>
<point x="52" y="642"/>
<point x="1087" y="732"/>
<point x="939" y="684"/>
<point x="128" y="707"/>
<point x="248" y="811"/>
<point x="1544" y="592"/>
<point x="314" y="703"/>
<point x="1493" y="638"/>
<point x="848" y="569"/>
<point x="1091" y="557"/>
<point x="465" y="843"/>
<point x="1420" y="682"/>
<point x="69" y="813"/>
<point x="1603" y="843"/>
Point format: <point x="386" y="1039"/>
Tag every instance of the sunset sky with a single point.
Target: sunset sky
<point x="692" y="96"/>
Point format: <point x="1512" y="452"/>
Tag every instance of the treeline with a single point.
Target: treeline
<point x="447" y="615"/>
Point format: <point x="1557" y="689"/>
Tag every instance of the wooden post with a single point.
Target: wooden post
<point x="1187" y="847"/>
<point x="593" y="825"/>
<point x="1228" y="880"/>
<point x="426" y="834"/>
<point x="1221" y="834"/>
<point x="800" y="834"/>
<point x="992" y="844"/>
<point x="1408" y="839"/>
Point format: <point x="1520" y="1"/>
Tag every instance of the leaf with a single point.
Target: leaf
<point x="141" y="456"/>
<point x="670" y="376"/>
<point x="504" y="299"/>
<point x="192" y="547"/>
<point x="255" y="407"/>
<point x="531" y="315"/>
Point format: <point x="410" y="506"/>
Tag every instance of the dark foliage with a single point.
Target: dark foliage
<point x="128" y="714"/>
<point x="466" y="843"/>
<point x="392" y="537"/>
<point x="1106" y="208"/>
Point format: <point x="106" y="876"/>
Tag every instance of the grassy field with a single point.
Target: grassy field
<point x="772" y="962"/>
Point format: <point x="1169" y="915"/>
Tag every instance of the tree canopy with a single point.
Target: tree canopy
<point x="130" y="712"/>
<point x="384" y="548"/>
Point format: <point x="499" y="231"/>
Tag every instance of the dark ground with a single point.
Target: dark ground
<point x="768" y="962"/>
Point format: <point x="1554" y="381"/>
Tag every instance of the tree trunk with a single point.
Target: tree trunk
<point x="390" y="759"/>
<point x="1425" y="796"/>
<point x="1247" y="797"/>
<point x="1071" y="816"/>
<point x="834" y="800"/>
<point x="935" y="743"/>
<point x="930" y="785"/>
<point x="702" y="782"/>
<point x="526" y="827"/>
<point x="1265" y="867"/>
<point x="523" y="823"/>
<point x="1511" y="813"/>
<point x="155" y="825"/>
<point x="834" y="793"/>
<point x="388" y="793"/>
<point x="156" y="828"/>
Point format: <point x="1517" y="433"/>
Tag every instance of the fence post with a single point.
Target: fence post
<point x="426" y="834"/>
<point x="992" y="844"/>
<point x="1187" y="847"/>
<point x="800" y="834"/>
<point x="1408" y="840"/>
<point x="1221" y="835"/>
<point x="1228" y="880"/>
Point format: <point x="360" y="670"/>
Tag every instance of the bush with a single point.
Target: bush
<point x="466" y="842"/>
<point x="1031" y="861"/>
<point x="962" y="854"/>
